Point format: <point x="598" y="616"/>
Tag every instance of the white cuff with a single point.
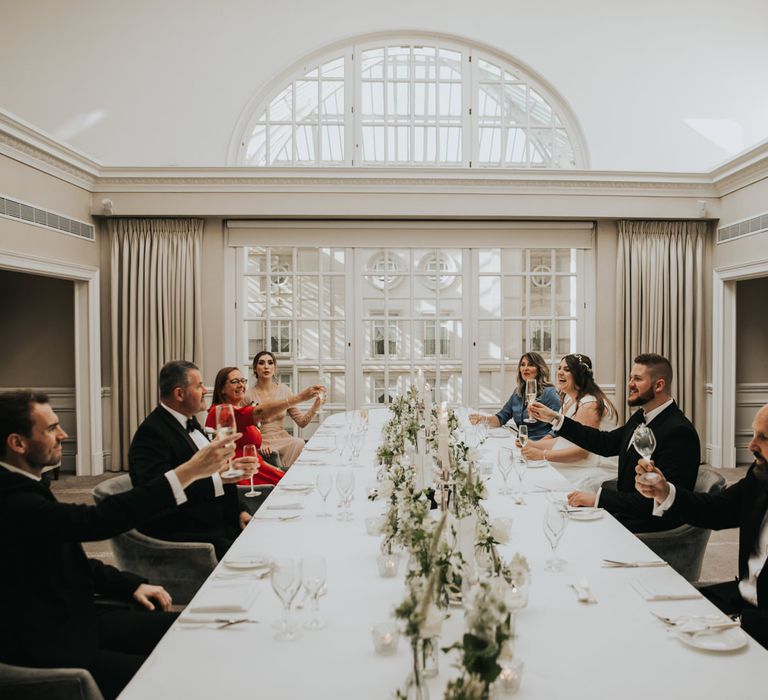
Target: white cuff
<point x="597" y="497"/>
<point x="557" y="423"/>
<point x="660" y="508"/>
<point x="218" y="486"/>
<point x="178" y="491"/>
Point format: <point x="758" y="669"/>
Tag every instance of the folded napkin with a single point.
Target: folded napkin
<point x="669" y="591"/>
<point x="285" y="506"/>
<point x="225" y="597"/>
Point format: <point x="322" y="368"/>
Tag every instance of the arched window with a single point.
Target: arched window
<point x="416" y="102"/>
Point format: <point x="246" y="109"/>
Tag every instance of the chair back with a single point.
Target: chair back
<point x="180" y="567"/>
<point x="683" y="547"/>
<point x="22" y="683"/>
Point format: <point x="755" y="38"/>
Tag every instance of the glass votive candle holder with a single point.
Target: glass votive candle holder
<point x="486" y="468"/>
<point x="385" y="638"/>
<point x="388" y="564"/>
<point x="509" y="679"/>
<point x="374" y="525"/>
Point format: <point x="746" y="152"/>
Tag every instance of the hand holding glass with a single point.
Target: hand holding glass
<point x="644" y="441"/>
<point x="226" y="426"/>
<point x="531" y="392"/>
<point x="250" y="451"/>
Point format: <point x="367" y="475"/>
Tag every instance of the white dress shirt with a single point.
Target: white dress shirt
<point x="16" y="470"/>
<point x="200" y="441"/>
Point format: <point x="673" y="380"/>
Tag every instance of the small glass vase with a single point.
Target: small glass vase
<point x="429" y="657"/>
<point x="416" y="688"/>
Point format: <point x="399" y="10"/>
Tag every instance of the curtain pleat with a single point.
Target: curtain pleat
<point x="156" y="314"/>
<point x="659" y="277"/>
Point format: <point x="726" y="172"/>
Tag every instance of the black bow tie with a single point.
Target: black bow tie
<point x="193" y="424"/>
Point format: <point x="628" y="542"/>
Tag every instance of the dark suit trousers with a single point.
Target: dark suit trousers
<point x="126" y="638"/>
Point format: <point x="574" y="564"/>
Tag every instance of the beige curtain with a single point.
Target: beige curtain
<point x="156" y="314"/>
<point x="660" y="283"/>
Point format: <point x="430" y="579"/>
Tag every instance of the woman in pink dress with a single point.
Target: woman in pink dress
<point x="273" y="432"/>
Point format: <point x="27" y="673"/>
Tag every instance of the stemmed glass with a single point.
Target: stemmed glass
<point x="250" y="451"/>
<point x="345" y="484"/>
<point x="482" y="432"/>
<point x="324" y="483"/>
<point x="521" y="464"/>
<point x="341" y="442"/>
<point x="504" y="459"/>
<point x="226" y="425"/>
<point x="356" y="440"/>
<point x="313" y="573"/>
<point x="286" y="580"/>
<point x="644" y="441"/>
<point x="531" y="392"/>
<point x="322" y="379"/>
<point x="555" y="521"/>
<point x="364" y="419"/>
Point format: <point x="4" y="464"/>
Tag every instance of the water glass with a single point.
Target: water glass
<point x="323" y="482"/>
<point x="286" y="581"/>
<point x="555" y="520"/>
<point x="345" y="484"/>
<point x="313" y="573"/>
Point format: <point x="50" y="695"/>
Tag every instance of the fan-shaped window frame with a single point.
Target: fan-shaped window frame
<point x="516" y="140"/>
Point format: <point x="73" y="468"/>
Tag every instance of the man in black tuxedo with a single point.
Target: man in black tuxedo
<point x="49" y="617"/>
<point x="743" y="505"/>
<point x="677" y="452"/>
<point x="170" y="436"/>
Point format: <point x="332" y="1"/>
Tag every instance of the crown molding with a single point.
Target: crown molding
<point x="25" y="143"/>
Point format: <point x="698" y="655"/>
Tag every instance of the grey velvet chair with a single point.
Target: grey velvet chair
<point x="683" y="547"/>
<point x="254" y="503"/>
<point x="180" y="567"/>
<point x="22" y="683"/>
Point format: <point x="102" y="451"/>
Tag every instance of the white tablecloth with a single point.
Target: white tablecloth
<point x="614" y="649"/>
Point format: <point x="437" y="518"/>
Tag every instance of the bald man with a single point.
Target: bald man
<point x="743" y="505"/>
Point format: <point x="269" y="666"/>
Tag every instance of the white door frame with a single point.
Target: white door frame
<point x="90" y="453"/>
<point x="723" y="418"/>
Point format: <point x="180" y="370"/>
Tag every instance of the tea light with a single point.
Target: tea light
<point x="388" y="565"/>
<point x="508" y="682"/>
<point x="385" y="638"/>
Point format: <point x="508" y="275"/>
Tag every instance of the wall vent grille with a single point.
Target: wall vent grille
<point x="40" y="217"/>
<point x="748" y="227"/>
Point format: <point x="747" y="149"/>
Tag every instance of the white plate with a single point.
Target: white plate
<point x="500" y="433"/>
<point x="537" y="463"/>
<point x="586" y="514"/>
<point x="247" y="561"/>
<point x="318" y="448"/>
<point x="715" y="640"/>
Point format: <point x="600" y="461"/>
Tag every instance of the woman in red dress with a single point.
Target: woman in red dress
<point x="229" y="387"/>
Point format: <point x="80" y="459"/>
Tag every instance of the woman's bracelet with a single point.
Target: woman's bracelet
<point x="545" y="455"/>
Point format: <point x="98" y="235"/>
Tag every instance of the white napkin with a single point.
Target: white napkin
<point x="667" y="591"/>
<point x="285" y="506"/>
<point x="225" y="597"/>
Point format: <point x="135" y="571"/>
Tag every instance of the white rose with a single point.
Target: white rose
<point x="500" y="530"/>
<point x="386" y="488"/>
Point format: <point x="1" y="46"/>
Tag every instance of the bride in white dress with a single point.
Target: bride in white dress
<point x="585" y="402"/>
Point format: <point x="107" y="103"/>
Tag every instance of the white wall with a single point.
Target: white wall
<point x="658" y="85"/>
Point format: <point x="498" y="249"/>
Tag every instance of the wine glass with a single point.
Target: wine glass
<point x="324" y="483"/>
<point x="345" y="484"/>
<point x="364" y="419"/>
<point x="504" y="460"/>
<point x="341" y="442"/>
<point x="226" y="425"/>
<point x="644" y="441"/>
<point x="482" y="432"/>
<point x="322" y="379"/>
<point x="522" y="435"/>
<point x="313" y="572"/>
<point x="286" y="580"/>
<point x="356" y="441"/>
<point x="531" y="392"/>
<point x="555" y="521"/>
<point x="250" y="451"/>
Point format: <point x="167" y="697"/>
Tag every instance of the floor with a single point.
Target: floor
<point x="720" y="561"/>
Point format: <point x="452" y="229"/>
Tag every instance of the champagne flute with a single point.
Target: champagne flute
<point x="504" y="460"/>
<point x="364" y="419"/>
<point x="644" y="441"/>
<point x="341" y="442"/>
<point x="531" y="392"/>
<point x="324" y="483"/>
<point x="226" y="426"/>
<point x="323" y="379"/>
<point x="356" y="441"/>
<point x="313" y="573"/>
<point x="555" y="521"/>
<point x="250" y="451"/>
<point x="286" y="581"/>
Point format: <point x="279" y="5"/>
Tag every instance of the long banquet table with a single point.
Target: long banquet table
<point x="613" y="649"/>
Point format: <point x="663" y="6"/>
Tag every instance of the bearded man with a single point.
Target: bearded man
<point x="743" y="505"/>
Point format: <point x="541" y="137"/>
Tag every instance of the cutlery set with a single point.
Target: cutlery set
<point x="583" y="591"/>
<point x="617" y="564"/>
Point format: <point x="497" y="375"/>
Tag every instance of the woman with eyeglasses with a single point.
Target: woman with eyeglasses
<point x="531" y="366"/>
<point x="585" y="402"/>
<point x="229" y="387"/>
<point x="273" y="430"/>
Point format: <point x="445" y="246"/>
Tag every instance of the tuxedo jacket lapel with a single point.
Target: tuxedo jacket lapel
<point x="175" y="427"/>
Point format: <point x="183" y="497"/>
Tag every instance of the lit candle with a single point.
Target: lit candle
<point x="388" y="565"/>
<point x="510" y="677"/>
<point x="385" y="638"/>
